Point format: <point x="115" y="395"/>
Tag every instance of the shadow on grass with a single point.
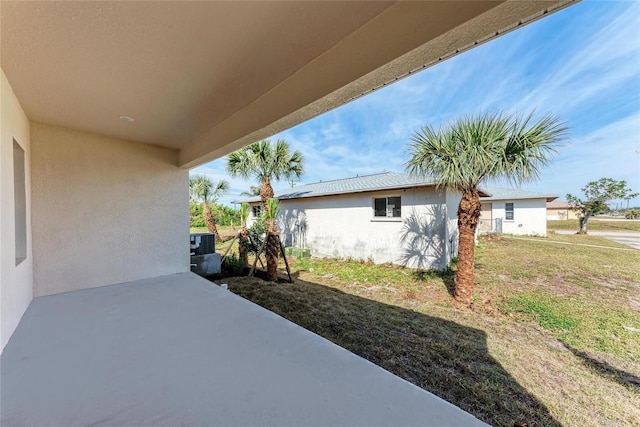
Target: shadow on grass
<point x="607" y="370"/>
<point x="441" y="356"/>
<point x="447" y="276"/>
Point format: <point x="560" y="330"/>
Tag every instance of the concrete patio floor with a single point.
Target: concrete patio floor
<point x="180" y="351"/>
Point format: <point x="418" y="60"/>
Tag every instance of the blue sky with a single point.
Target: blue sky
<point x="582" y="64"/>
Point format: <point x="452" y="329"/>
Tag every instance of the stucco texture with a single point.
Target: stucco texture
<point x="16" y="281"/>
<point x="105" y="210"/>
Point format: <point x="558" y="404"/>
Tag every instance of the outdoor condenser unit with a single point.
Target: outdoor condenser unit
<point x="203" y="243"/>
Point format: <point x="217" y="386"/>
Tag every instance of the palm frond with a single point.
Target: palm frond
<point x="488" y="146"/>
<point x="273" y="207"/>
<point x="253" y="191"/>
<point x="204" y="190"/>
<point x="266" y="161"/>
<point x="244" y="214"/>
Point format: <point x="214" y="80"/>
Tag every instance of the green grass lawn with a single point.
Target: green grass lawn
<point x="595" y="224"/>
<point x="553" y="337"/>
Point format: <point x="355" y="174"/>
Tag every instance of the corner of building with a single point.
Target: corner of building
<point x="16" y="255"/>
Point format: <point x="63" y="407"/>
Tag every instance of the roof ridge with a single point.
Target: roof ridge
<point x="351" y="177"/>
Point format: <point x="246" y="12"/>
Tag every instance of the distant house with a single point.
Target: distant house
<point x="559" y="210"/>
<point x="394" y="217"/>
<point x="515" y="212"/>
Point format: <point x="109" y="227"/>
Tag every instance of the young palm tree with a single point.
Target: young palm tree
<point x="266" y="162"/>
<point x="243" y="234"/>
<point x="203" y="190"/>
<point x="478" y="148"/>
<point x="273" y="239"/>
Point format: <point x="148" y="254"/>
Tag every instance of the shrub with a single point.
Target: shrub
<point x="225" y="215"/>
<point x="233" y="266"/>
<point x="195" y="213"/>
<point x="257" y="234"/>
<point x="633" y="214"/>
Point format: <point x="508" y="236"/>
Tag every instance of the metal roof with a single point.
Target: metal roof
<point x="383" y="181"/>
<point x="513" y="194"/>
<point x="357" y="184"/>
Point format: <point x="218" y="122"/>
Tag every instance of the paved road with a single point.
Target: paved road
<point x="629" y="238"/>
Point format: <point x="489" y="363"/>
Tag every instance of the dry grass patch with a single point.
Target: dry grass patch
<point x="552" y="338"/>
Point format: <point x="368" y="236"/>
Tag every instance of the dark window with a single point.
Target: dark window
<point x="380" y="207"/>
<point x="508" y="211"/>
<point x="387" y="207"/>
<point x="20" y="202"/>
<point x="257" y="210"/>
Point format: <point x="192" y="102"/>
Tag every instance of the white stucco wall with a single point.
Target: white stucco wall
<point x="529" y="216"/>
<point x="104" y="210"/>
<point x="16" y="281"/>
<point x="344" y="226"/>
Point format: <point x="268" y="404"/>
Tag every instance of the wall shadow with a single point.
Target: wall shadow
<point x="607" y="370"/>
<point x="423" y="238"/>
<point x="292" y="224"/>
<point x="438" y="355"/>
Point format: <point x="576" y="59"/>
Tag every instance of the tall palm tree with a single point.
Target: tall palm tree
<point x="273" y="239"/>
<point x="266" y="162"/>
<point x="243" y="234"/>
<point x="205" y="191"/>
<point x="478" y="148"/>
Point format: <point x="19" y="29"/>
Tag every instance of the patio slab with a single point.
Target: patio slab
<point x="179" y="350"/>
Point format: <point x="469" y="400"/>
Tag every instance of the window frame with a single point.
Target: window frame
<point x="391" y="214"/>
<point x="509" y="212"/>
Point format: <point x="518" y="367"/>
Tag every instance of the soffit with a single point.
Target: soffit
<point x="179" y="68"/>
<point x="210" y="77"/>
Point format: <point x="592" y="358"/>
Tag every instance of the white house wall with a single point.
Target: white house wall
<point x="16" y="281"/>
<point x="529" y="216"/>
<point x="344" y="226"/>
<point x="105" y="210"/>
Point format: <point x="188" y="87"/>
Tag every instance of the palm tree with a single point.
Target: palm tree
<point x="265" y="162"/>
<point x="203" y="190"/>
<point x="273" y="239"/>
<point x="243" y="234"/>
<point x="478" y="148"/>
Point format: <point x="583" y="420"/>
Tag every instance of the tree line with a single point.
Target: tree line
<point x="222" y="215"/>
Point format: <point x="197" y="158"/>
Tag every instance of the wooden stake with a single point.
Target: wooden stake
<point x="286" y="263"/>
<point x="255" y="261"/>
<point x="228" y="249"/>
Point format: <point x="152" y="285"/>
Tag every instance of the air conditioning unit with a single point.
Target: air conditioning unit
<point x="202" y="243"/>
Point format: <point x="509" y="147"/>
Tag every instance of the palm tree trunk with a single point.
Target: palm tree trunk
<point x="266" y="192"/>
<point x="272" y="253"/>
<point x="208" y="219"/>
<point x="468" y="216"/>
<point x="242" y="246"/>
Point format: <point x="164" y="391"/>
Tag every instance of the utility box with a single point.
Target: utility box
<point x="297" y="252"/>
